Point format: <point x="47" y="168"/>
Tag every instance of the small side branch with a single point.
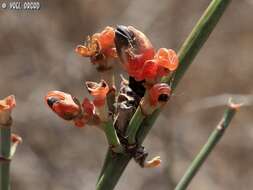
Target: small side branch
<point x="208" y="147"/>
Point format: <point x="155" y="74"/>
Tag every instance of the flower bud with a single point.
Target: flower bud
<point x="64" y="105"/>
<point x="159" y="94"/>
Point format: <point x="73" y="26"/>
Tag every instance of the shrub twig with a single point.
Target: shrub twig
<point x="208" y="147"/>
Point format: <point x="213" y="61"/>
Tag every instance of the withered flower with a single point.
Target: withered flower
<point x="16" y="139"/>
<point x="99" y="47"/>
<point x="154" y="162"/>
<point x="98" y="91"/>
<point x="6" y="106"/>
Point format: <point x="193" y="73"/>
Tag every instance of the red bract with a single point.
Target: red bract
<point x="63" y="104"/>
<point x="150" y="70"/>
<point x="99" y="46"/>
<point x="164" y="62"/>
<point x="159" y="93"/>
<point x="88" y="113"/>
<point x="88" y="106"/>
<point x="135" y="63"/>
<point x="98" y="91"/>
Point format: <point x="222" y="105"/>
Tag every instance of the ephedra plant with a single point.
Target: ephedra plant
<point x="127" y="112"/>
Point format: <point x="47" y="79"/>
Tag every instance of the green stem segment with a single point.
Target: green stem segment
<point x="5" y="153"/>
<point x="187" y="53"/>
<point x="206" y="149"/>
<point x="112" y="137"/>
<point x="134" y="124"/>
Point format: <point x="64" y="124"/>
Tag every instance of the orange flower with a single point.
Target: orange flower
<point x="99" y="47"/>
<point x="159" y="93"/>
<point x="98" y="91"/>
<point x="6" y="106"/>
<point x="63" y="104"/>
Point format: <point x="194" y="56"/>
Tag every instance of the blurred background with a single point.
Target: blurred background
<point x="37" y="55"/>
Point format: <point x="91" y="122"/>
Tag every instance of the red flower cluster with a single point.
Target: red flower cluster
<point x="138" y="58"/>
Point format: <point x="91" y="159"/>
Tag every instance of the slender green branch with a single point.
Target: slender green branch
<point x="5" y="153"/>
<point x="197" y="38"/>
<point x="186" y="55"/>
<point x="207" y="148"/>
<point x="112" y="137"/>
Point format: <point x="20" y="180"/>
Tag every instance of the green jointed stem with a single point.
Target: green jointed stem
<point x="112" y="137"/>
<point x="133" y="126"/>
<point x="186" y="54"/>
<point x="5" y="153"/>
<point x="197" y="38"/>
<point x="206" y="149"/>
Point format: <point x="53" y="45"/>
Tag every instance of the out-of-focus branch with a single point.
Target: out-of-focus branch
<point x="219" y="100"/>
<point x="208" y="147"/>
